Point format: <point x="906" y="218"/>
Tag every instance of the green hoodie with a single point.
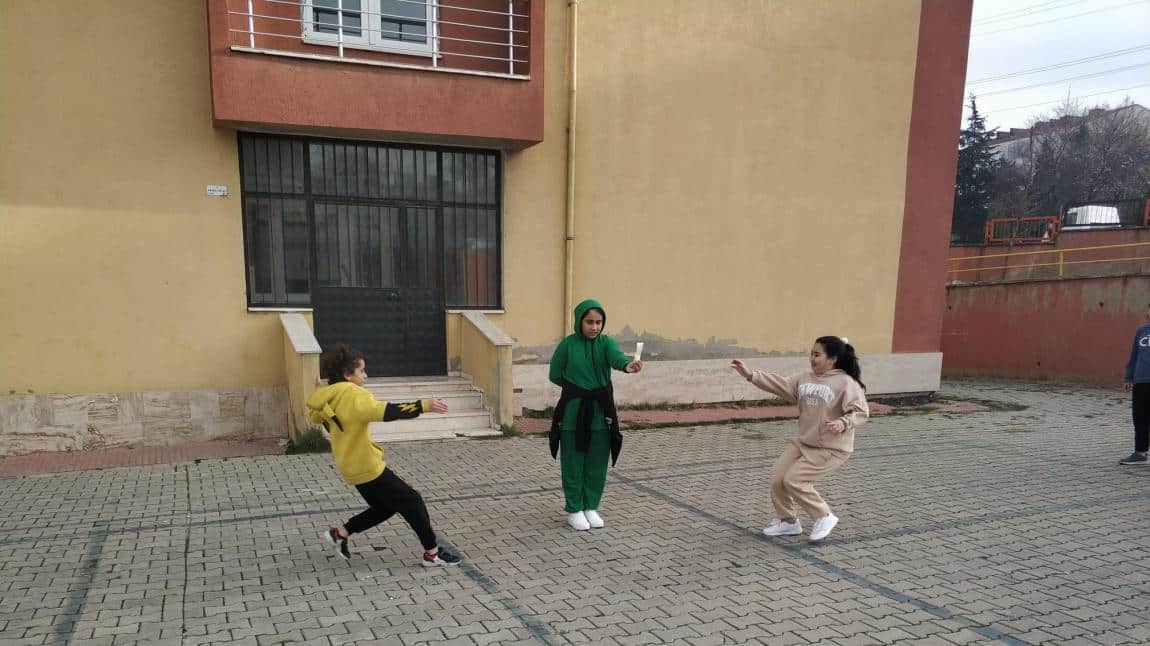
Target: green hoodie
<point x="587" y="363"/>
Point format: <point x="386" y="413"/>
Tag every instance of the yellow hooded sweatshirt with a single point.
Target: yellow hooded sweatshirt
<point x="346" y="409"/>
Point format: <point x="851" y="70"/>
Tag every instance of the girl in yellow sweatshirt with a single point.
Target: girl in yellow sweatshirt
<point x="832" y="403"/>
<point x="345" y="408"/>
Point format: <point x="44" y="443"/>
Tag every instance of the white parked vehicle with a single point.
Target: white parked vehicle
<point x="1091" y="216"/>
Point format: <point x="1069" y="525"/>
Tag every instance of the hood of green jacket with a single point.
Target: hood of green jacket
<point x="581" y="311"/>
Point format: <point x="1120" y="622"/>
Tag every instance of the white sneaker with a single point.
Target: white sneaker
<point x="823" y="527"/>
<point x="781" y="528"/>
<point x="578" y="521"/>
<point x="593" y="518"/>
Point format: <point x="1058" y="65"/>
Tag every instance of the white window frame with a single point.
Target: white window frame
<point x="371" y="36"/>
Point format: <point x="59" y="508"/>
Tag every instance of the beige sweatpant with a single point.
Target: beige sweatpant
<point x="794" y="477"/>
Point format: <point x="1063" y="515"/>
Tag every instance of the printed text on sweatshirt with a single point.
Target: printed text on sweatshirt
<point x="831" y="396"/>
<point x="1138" y="367"/>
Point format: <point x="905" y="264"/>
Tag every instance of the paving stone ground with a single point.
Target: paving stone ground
<point x="1010" y="527"/>
<point x="58" y="461"/>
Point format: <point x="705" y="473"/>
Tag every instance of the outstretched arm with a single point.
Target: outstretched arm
<point x="619" y="360"/>
<point x="778" y="385"/>
<point x="409" y="410"/>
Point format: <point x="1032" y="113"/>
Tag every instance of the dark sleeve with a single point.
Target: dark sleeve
<point x="558" y="364"/>
<point x="406" y="410"/>
<point x="1133" y="358"/>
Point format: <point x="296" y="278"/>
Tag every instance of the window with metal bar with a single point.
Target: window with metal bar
<point x="403" y="20"/>
<point x="394" y="26"/>
<point x="327" y="18"/>
<point x="369" y="215"/>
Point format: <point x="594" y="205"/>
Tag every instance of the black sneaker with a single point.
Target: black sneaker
<point x="333" y="538"/>
<point x="441" y="559"/>
<point x="1135" y="458"/>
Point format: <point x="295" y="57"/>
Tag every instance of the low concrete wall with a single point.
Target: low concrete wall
<point x="301" y="367"/>
<point x="30" y="423"/>
<point x="1082" y="258"/>
<point x="713" y="380"/>
<point x="485" y="356"/>
<point x="1068" y="330"/>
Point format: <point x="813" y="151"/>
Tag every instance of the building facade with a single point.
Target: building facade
<point x="729" y="179"/>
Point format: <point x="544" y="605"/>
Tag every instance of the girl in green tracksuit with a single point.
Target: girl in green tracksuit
<point x="585" y="422"/>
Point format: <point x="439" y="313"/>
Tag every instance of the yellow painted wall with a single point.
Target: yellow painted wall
<point x="740" y="174"/>
<point x="117" y="271"/>
<point x="747" y="186"/>
<point x="534" y="207"/>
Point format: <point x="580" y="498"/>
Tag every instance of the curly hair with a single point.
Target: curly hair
<point x="339" y="360"/>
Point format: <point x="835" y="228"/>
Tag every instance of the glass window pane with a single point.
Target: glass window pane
<point x="415" y="33"/>
<point x="259" y="250"/>
<point x="449" y="175"/>
<point x="491" y="180"/>
<point x="248" y="155"/>
<point x="388" y="234"/>
<point x="432" y="176"/>
<point x="394" y="174"/>
<point x="297" y="156"/>
<point x="277" y="258"/>
<point x="410" y="183"/>
<point x="297" y="261"/>
<point x="404" y="9"/>
<point x="327" y="17"/>
<point x="316" y="166"/>
<point x="471" y="257"/>
<point x="403" y="20"/>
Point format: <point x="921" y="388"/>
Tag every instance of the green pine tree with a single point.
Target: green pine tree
<point x="973" y="184"/>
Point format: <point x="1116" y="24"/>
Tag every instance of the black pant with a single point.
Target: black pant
<point x="389" y="495"/>
<point x="1141" y="408"/>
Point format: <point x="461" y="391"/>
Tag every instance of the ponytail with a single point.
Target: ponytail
<point x="844" y="354"/>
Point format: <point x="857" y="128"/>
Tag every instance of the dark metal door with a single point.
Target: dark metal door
<point x="379" y="285"/>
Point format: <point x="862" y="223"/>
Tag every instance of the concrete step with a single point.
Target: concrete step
<point x="401" y="380"/>
<point x="467" y="423"/>
<point x="422" y="389"/>
<point x="468" y="416"/>
<point x="432" y="380"/>
<point x="420" y="435"/>
<point x="456" y="400"/>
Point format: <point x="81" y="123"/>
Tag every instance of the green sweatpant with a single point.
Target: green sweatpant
<point x="584" y="474"/>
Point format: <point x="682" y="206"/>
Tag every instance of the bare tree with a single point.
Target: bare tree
<point x="1077" y="154"/>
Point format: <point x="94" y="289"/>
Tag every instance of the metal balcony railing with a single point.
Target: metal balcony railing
<point x="1038" y="228"/>
<point x="486" y="37"/>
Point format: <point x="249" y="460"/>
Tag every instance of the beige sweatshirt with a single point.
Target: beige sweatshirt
<point x="821" y="398"/>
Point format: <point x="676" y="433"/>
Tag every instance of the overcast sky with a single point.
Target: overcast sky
<point x="1009" y="36"/>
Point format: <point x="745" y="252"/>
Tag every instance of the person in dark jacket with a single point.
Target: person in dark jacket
<point x="1138" y="380"/>
<point x="585" y="421"/>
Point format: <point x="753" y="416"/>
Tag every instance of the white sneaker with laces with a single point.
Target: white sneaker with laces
<point x="781" y="528"/>
<point x="578" y="521"/>
<point x="593" y="518"/>
<point x="823" y="527"/>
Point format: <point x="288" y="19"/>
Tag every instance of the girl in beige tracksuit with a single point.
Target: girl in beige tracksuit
<point x="832" y="403"/>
